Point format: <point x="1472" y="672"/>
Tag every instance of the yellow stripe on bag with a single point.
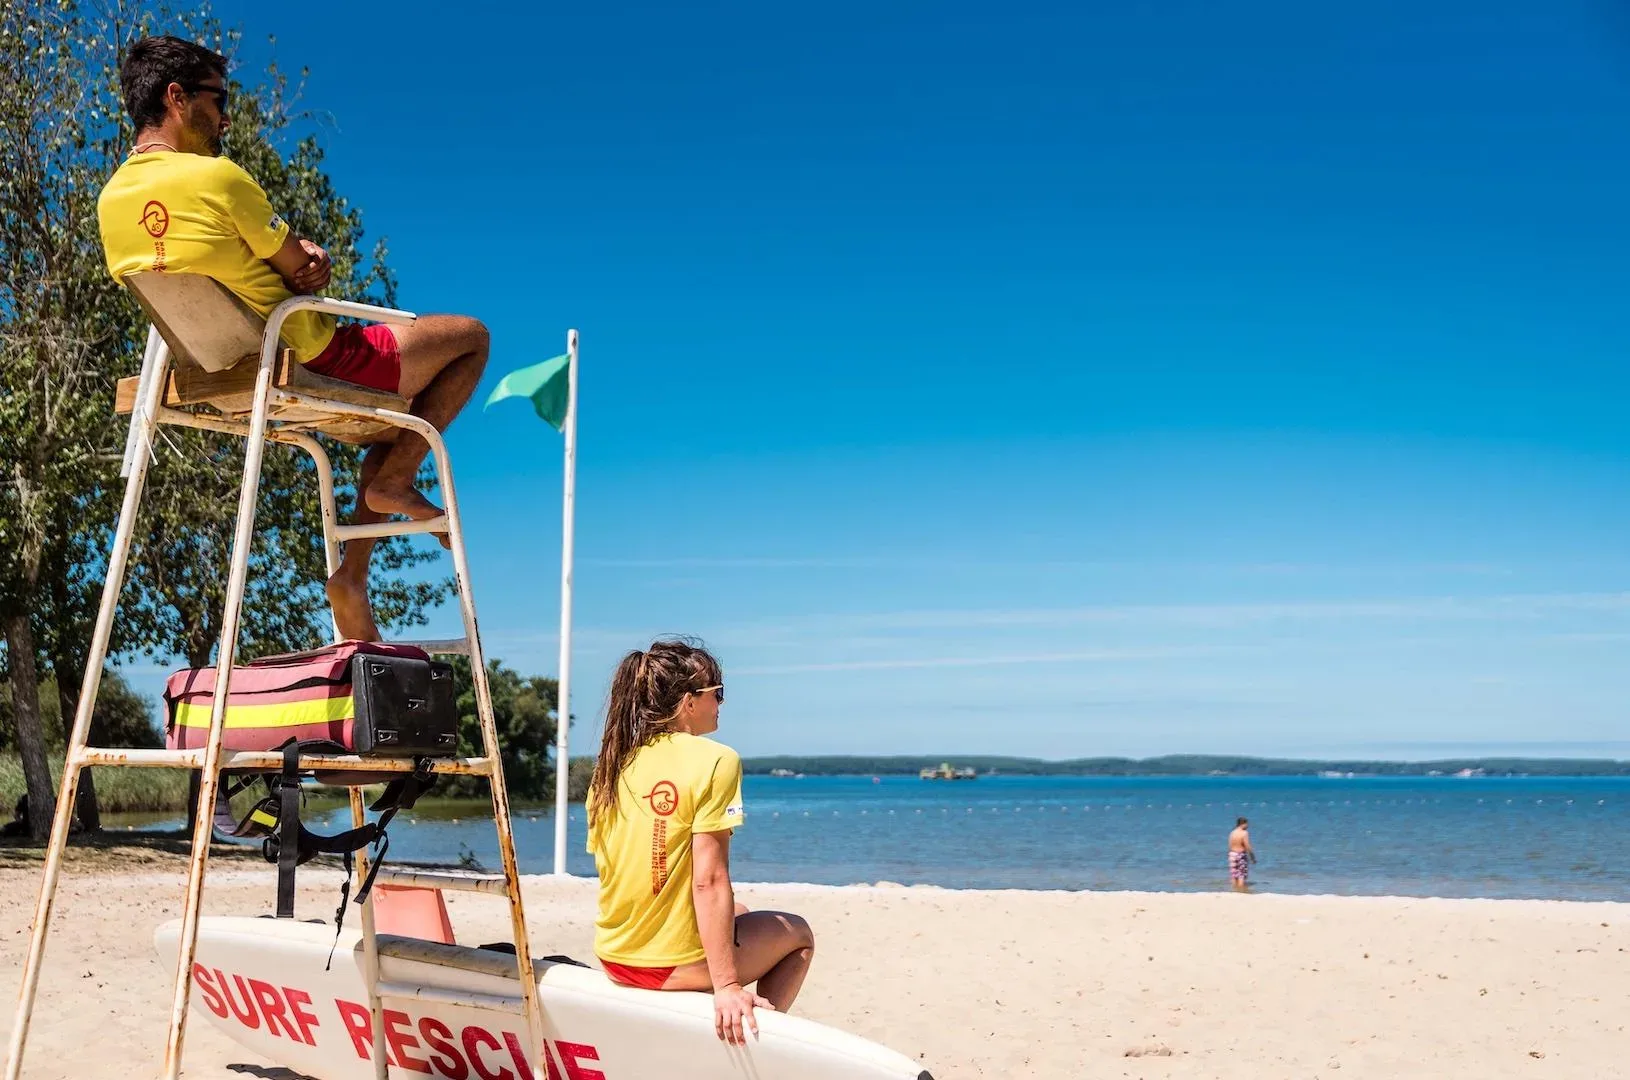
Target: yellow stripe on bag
<point x="282" y="715"/>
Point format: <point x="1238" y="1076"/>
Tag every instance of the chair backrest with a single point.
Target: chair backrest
<point x="199" y="318"/>
<point x="412" y="911"/>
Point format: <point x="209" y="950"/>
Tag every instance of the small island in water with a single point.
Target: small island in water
<point x="946" y="771"/>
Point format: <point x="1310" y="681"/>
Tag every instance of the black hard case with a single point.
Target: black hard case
<point x="405" y="706"/>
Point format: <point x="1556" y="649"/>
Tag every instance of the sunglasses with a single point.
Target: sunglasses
<point x="718" y="692"/>
<point x="222" y="97"/>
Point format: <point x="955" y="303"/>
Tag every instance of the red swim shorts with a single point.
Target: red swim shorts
<point x="364" y="355"/>
<point x="644" y="978"/>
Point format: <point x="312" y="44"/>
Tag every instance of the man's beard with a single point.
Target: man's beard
<point x="210" y="137"/>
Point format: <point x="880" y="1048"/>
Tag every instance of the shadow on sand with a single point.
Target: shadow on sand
<point x="267" y="1072"/>
<point x="112" y="849"/>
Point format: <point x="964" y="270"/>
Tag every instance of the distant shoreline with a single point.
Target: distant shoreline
<point x="1191" y="765"/>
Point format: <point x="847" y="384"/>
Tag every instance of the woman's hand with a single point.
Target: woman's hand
<point x="732" y="1005"/>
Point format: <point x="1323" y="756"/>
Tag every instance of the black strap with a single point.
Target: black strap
<point x="402" y="792"/>
<point x="288" y="830"/>
<point x="312" y="844"/>
<point x="339" y="912"/>
<point x="229" y="786"/>
<point x="399" y="794"/>
<point x="293" y="844"/>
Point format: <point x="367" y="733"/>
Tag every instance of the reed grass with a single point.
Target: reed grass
<point x="117" y="790"/>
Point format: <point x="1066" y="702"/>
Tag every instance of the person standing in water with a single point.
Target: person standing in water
<point x="662" y="806"/>
<point x="1240" y="856"/>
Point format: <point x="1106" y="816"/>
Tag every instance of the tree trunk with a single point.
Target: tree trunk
<point x="68" y="681"/>
<point x="195" y="788"/>
<point x="69" y="667"/>
<point x="25" y="702"/>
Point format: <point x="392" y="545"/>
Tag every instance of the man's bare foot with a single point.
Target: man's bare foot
<point x="352" y="614"/>
<point x="405" y="501"/>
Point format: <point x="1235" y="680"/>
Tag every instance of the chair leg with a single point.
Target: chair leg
<point x="156" y="366"/>
<point x="325" y="493"/>
<point x="531" y="1004"/>
<point x="370" y="951"/>
<point x="254" y="454"/>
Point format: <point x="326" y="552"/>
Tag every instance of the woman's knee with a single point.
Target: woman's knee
<point x="803" y="934"/>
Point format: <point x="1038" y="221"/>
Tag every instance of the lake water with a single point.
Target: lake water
<point x="1540" y="838"/>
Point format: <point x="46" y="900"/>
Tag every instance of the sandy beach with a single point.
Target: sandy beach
<point x="979" y="984"/>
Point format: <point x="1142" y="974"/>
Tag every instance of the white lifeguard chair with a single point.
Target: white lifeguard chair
<point x="211" y="363"/>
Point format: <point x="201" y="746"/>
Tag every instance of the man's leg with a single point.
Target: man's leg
<point x="348" y="587"/>
<point x="442" y="360"/>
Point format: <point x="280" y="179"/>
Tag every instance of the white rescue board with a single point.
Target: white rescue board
<point x="267" y="984"/>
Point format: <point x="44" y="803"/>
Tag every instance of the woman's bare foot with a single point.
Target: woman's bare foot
<point x="352" y="615"/>
<point x="405" y="501"/>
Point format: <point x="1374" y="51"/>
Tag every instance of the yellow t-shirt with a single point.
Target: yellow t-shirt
<point x="675" y="787"/>
<point x="187" y="213"/>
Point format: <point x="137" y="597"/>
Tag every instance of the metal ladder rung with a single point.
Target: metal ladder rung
<point x="437" y="524"/>
<point x="272" y="759"/>
<point x="456" y="880"/>
<point x="459" y="646"/>
<point x="264" y="760"/>
<point x="161" y="759"/>
<point x="404" y="992"/>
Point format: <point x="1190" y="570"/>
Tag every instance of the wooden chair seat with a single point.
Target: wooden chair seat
<point x="231" y="393"/>
<point x="215" y="341"/>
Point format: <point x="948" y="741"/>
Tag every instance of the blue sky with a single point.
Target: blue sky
<point x="1035" y="378"/>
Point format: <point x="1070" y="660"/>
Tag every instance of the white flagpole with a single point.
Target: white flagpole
<point x="564" y="710"/>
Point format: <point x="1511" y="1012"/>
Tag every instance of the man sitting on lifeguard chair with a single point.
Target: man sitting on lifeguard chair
<point x="176" y="205"/>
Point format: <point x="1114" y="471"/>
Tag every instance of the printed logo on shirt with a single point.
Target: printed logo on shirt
<point x="659" y="855"/>
<point x="155" y="218"/>
<point x="664" y="798"/>
<point x="275" y="223"/>
<point x="732" y="811"/>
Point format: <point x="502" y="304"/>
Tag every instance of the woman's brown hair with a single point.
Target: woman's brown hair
<point x="645" y="697"/>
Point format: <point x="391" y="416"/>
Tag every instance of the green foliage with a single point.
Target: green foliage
<point x="524" y="712"/>
<point x="579" y="772"/>
<point x="122" y="717"/>
<point x="59" y="325"/>
<point x="68" y="333"/>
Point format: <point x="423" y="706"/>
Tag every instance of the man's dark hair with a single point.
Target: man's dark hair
<point x="152" y="64"/>
<point x="1240" y="822"/>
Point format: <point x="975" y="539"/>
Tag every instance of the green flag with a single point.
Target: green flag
<point x="546" y="384"/>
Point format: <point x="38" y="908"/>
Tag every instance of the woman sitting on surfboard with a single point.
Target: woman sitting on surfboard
<point x="661" y="807"/>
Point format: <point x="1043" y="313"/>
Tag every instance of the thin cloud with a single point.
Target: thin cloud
<point x="1498" y="608"/>
<point x="883" y="629"/>
<point x="965" y="562"/>
<point x="741" y="563"/>
<point x="1094" y="656"/>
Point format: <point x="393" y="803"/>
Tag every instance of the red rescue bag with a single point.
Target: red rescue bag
<point x="368" y="697"/>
